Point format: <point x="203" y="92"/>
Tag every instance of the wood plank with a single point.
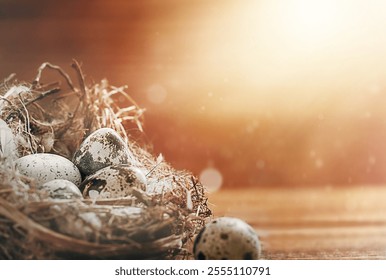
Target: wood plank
<point x="311" y="223"/>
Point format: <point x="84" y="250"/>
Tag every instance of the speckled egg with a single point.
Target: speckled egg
<point x="227" y="238"/>
<point x="47" y="167"/>
<point x="114" y="181"/>
<point x="8" y="145"/>
<point x="61" y="189"/>
<point x="102" y="148"/>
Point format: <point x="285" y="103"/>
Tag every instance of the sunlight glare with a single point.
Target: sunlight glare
<point x="311" y="22"/>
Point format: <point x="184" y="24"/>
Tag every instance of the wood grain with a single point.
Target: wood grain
<point x="311" y="223"/>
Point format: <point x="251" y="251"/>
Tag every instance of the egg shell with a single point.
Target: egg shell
<point x="114" y="181"/>
<point x="8" y="146"/>
<point x="61" y="189"/>
<point x="102" y="148"/>
<point x="227" y="238"/>
<point x="47" y="167"/>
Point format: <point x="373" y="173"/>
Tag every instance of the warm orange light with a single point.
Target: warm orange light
<point x="289" y="54"/>
<point x="311" y="23"/>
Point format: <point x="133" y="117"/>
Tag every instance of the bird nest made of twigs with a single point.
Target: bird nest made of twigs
<point x="156" y="223"/>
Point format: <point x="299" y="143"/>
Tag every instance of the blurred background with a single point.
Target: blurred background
<point x="242" y="93"/>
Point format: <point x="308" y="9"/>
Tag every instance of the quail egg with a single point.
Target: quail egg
<point x="227" y="238"/>
<point x="100" y="149"/>
<point x="61" y="189"/>
<point x="46" y="167"/>
<point x="113" y="182"/>
<point x="8" y="146"/>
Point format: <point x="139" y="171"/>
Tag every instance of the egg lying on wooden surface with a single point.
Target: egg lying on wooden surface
<point x="114" y="181"/>
<point x="227" y="238"/>
<point x="61" y="189"/>
<point x="102" y="148"/>
<point x="47" y="167"/>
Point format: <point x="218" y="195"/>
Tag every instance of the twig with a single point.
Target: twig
<point x="42" y="95"/>
<point x="77" y="68"/>
<point x="55" y="67"/>
<point x="27" y="124"/>
<point x="6" y="100"/>
<point x="9" y="78"/>
<point x="121" y="91"/>
<point x="27" y="121"/>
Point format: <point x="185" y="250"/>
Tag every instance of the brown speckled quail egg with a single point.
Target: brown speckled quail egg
<point x="102" y="148"/>
<point x="61" y="189"/>
<point x="227" y="238"/>
<point x="112" y="182"/>
<point x="47" y="167"/>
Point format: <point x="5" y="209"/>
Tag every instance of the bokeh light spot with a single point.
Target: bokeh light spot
<point x="211" y="178"/>
<point x="156" y="94"/>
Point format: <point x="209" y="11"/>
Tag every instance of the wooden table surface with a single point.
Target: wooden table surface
<point x="311" y="223"/>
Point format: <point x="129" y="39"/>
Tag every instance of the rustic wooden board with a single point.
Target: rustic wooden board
<point x="311" y="223"/>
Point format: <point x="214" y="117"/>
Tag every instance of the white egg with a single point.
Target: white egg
<point x="8" y="146"/>
<point x="61" y="189"/>
<point x="227" y="238"/>
<point x="114" y="181"/>
<point x="102" y="148"/>
<point x="47" y="167"/>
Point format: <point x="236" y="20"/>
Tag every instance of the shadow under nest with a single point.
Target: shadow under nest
<point x="56" y="118"/>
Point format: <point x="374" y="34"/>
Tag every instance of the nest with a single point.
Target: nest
<point x="55" y="118"/>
